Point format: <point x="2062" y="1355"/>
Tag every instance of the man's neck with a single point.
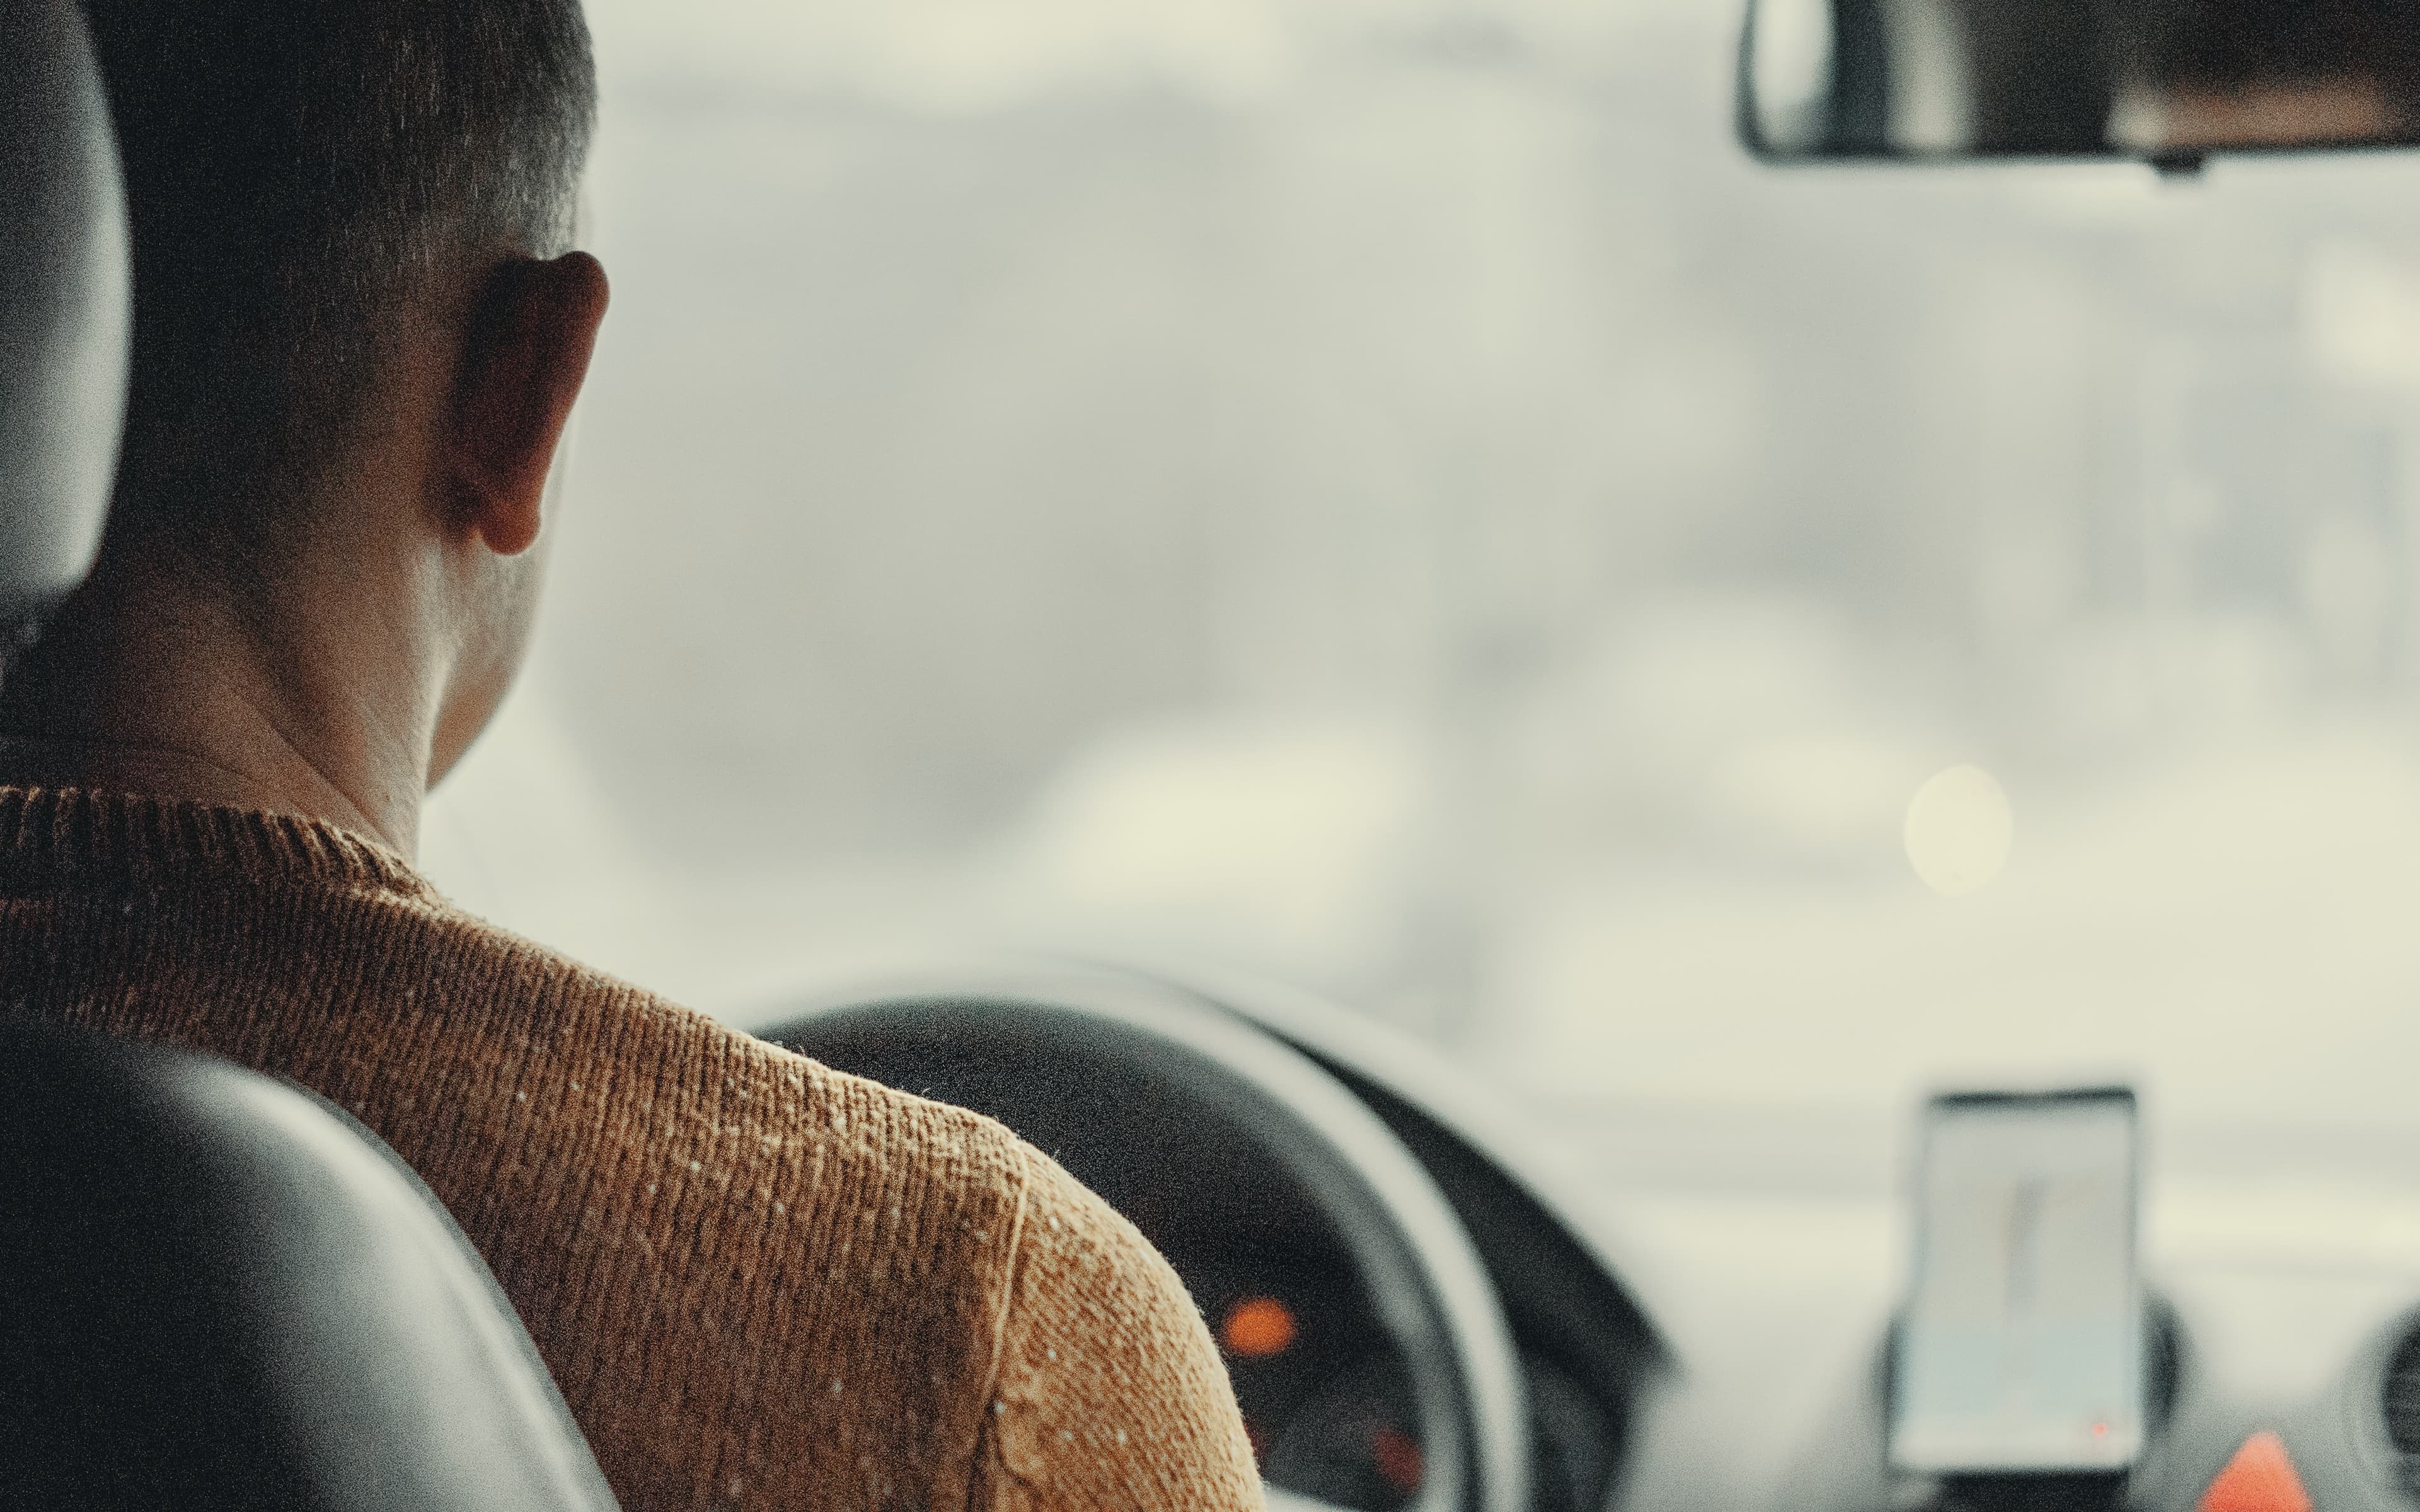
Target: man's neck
<point x="145" y="684"/>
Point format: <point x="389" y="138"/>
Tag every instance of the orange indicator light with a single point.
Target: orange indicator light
<point x="1258" y="1328"/>
<point x="1397" y="1455"/>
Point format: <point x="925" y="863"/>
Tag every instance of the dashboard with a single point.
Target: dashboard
<point x="1330" y="1409"/>
<point x="1327" y="1401"/>
<point x="1676" y="1347"/>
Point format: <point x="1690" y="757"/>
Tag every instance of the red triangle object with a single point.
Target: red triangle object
<point x="2260" y="1478"/>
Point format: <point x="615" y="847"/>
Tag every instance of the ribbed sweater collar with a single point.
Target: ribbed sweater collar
<point x="52" y="837"/>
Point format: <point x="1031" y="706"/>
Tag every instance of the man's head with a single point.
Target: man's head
<point x="2278" y="72"/>
<point x="358" y="326"/>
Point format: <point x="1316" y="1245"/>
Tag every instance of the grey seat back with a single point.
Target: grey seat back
<point x="222" y="1295"/>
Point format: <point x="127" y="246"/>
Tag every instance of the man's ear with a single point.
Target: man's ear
<point x="530" y="339"/>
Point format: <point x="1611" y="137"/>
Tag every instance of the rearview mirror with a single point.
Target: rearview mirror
<point x="2165" y="81"/>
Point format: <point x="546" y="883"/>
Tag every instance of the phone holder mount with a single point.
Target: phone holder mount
<point x="2092" y="1490"/>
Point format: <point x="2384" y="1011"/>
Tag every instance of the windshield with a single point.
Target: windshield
<point x="1390" y="497"/>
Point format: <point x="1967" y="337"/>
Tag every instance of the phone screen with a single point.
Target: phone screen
<point x="2021" y="1348"/>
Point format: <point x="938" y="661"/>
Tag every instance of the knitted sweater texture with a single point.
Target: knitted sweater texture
<point x="759" y="1282"/>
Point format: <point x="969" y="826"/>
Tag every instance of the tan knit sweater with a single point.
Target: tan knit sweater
<point x="760" y="1283"/>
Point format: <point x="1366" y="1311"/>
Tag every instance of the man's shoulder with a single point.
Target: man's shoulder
<point x="699" y="1228"/>
<point x="1109" y="1391"/>
<point x="373" y="988"/>
<point x="712" y="1078"/>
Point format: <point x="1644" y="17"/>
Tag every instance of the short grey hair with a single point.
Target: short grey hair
<point x="296" y="170"/>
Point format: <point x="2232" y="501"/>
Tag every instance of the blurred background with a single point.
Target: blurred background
<point x="1390" y="497"/>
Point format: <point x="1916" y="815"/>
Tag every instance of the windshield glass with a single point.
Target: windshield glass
<point x="1389" y="496"/>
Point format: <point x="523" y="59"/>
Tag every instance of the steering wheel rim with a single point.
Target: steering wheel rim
<point x="1428" y="1289"/>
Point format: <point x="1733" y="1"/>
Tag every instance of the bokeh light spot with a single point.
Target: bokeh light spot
<point x="1257" y="1328"/>
<point x="1398" y="1457"/>
<point x="1959" y="830"/>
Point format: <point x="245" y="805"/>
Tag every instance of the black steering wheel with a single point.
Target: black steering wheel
<point x="1112" y="1072"/>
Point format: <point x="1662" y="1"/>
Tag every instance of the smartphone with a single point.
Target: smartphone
<point x="2021" y="1347"/>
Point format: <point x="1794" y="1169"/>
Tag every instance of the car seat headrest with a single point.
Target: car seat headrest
<point x="64" y="306"/>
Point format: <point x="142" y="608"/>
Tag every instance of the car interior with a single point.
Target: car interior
<point x="224" y="1292"/>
